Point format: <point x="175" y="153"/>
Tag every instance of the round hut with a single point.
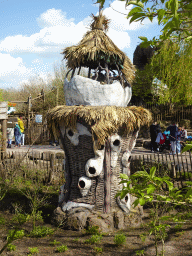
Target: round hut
<point x="97" y="131"/>
<point x="97" y="52"/>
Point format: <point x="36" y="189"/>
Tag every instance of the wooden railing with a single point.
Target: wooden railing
<point x="178" y="167"/>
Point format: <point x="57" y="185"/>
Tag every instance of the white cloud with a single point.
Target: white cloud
<point x="13" y="71"/>
<point x="12" y="66"/>
<point x="54" y="17"/>
<point x="118" y="14"/>
<point x="120" y="38"/>
<point x="57" y="32"/>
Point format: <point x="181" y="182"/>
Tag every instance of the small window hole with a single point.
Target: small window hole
<point x="116" y="142"/>
<point x="92" y="170"/>
<point x="70" y="133"/>
<point x="81" y="183"/>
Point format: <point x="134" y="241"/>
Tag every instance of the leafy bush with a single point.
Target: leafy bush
<point x="93" y="230"/>
<point x="13" y="234"/>
<point x="55" y="242"/>
<point x="98" y="250"/>
<point x="140" y="253"/>
<point x="119" y="239"/>
<point x="33" y="250"/>
<point x="41" y="231"/>
<point x="94" y="239"/>
<point x="62" y="248"/>
<point x="11" y="247"/>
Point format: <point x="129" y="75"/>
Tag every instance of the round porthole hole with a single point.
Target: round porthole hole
<point x="92" y="170"/>
<point x="116" y="142"/>
<point x="81" y="183"/>
<point x="70" y="133"/>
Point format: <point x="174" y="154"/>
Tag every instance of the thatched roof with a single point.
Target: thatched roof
<point x="103" y="121"/>
<point x="97" y="47"/>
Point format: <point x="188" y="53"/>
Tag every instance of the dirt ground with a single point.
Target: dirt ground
<point x="178" y="242"/>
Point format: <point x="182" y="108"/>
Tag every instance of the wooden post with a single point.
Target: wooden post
<point x="107" y="178"/>
<point x="43" y="118"/>
<point x="3" y="118"/>
<point x="52" y="167"/>
<point x="28" y="121"/>
<point x="107" y="72"/>
<point x="4" y="133"/>
<point x="89" y="73"/>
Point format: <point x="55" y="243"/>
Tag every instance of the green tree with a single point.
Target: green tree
<point x="174" y="15"/>
<point x="172" y="68"/>
<point x="143" y="85"/>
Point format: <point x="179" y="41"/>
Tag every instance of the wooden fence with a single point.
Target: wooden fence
<point x="51" y="164"/>
<point x="165" y="113"/>
<point x="178" y="167"/>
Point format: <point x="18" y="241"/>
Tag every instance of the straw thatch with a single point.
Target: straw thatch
<point x="103" y="121"/>
<point x="97" y="48"/>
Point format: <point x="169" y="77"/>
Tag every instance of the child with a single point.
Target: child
<point x="160" y="139"/>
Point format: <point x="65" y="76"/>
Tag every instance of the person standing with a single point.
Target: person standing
<point x="154" y="129"/>
<point x="183" y="134"/>
<point x="17" y="134"/>
<point x="178" y="144"/>
<point x="10" y="135"/>
<point x="173" y="136"/>
<point x="21" y="125"/>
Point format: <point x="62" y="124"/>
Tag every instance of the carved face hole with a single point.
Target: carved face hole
<point x="70" y="133"/>
<point x="126" y="199"/>
<point x="81" y="183"/>
<point x="129" y="160"/>
<point x="92" y="170"/>
<point x="101" y="147"/>
<point x="116" y="142"/>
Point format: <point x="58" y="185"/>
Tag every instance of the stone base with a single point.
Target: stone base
<point x="81" y="218"/>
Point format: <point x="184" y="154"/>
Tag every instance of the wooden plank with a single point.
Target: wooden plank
<point x="3" y="104"/>
<point x="107" y="178"/>
<point x="3" y="116"/>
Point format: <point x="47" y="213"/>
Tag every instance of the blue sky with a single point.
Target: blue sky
<point x="33" y="34"/>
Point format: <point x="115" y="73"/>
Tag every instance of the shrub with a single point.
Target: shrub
<point x="11" y="247"/>
<point x="33" y="250"/>
<point x="93" y="230"/>
<point x="41" y="231"/>
<point x="12" y="234"/>
<point x="62" y="248"/>
<point x="55" y="242"/>
<point x="119" y="239"/>
<point x="98" y="250"/>
<point x="94" y="239"/>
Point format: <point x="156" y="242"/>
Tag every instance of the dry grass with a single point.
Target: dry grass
<point x="102" y="120"/>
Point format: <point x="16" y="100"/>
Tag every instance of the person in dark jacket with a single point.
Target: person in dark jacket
<point x="154" y="130"/>
<point x="173" y="136"/>
<point x="17" y="134"/>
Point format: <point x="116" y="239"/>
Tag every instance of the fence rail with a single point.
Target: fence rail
<point x="178" y="167"/>
<point x="51" y="164"/>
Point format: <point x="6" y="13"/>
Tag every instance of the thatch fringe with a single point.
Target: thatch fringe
<point x="96" y="47"/>
<point x="102" y="120"/>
